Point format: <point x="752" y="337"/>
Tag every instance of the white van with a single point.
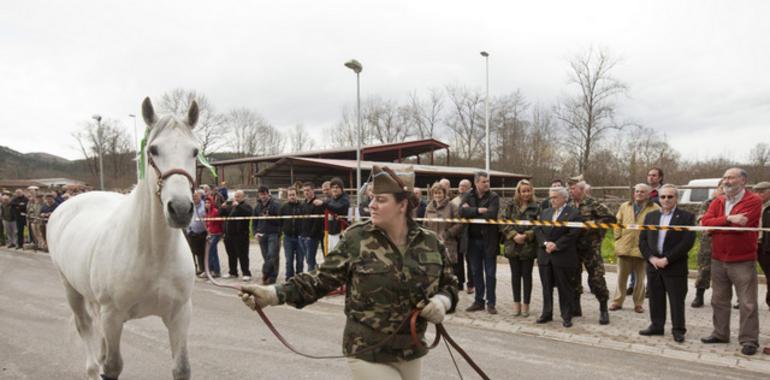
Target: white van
<point x="701" y="194"/>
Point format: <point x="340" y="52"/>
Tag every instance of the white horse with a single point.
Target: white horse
<point x="124" y="257"/>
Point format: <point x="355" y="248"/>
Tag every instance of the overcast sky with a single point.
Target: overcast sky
<point x="697" y="70"/>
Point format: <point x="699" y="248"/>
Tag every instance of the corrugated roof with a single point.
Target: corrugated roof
<point x="367" y="165"/>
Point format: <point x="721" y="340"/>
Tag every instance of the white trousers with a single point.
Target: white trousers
<point x="404" y="370"/>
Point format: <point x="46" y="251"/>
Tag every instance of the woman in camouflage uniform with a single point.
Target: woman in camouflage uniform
<point x="520" y="245"/>
<point x="391" y="267"/>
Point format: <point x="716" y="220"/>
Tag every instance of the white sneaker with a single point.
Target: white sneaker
<point x="226" y="275"/>
<point x="202" y="275"/>
<point x="246" y="278"/>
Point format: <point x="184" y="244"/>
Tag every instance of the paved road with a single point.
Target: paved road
<point x="38" y="340"/>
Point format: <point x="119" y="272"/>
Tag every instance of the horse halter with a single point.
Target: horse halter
<point x="163" y="175"/>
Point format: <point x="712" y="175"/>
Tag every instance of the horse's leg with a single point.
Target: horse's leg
<point x="112" y="323"/>
<point x="84" y="325"/>
<point x="178" y="323"/>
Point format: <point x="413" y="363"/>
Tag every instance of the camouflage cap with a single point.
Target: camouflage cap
<point x="386" y="180"/>
<point x="575" y="179"/>
<point x="764" y="185"/>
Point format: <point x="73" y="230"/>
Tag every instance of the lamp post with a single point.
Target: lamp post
<point x="98" y="119"/>
<point x="136" y="146"/>
<point x="486" y="111"/>
<point x="356" y="67"/>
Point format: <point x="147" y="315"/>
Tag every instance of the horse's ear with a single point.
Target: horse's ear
<point x="192" y="114"/>
<point x="148" y="112"/>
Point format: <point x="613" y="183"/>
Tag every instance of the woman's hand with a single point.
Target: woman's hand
<point x="258" y="295"/>
<point x="436" y="309"/>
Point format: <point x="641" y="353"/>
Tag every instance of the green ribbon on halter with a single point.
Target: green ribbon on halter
<point x="201" y="158"/>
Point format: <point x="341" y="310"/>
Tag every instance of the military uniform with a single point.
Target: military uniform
<point x="589" y="248"/>
<point x="384" y="287"/>
<point x="703" y="281"/>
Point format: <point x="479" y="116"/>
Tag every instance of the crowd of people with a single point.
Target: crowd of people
<point x="25" y="214"/>
<point x="651" y="264"/>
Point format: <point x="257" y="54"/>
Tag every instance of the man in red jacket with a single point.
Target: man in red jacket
<point x="732" y="260"/>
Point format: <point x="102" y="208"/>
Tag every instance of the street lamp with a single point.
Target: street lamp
<point x="356" y="67"/>
<point x="98" y="119"/>
<point x="486" y="111"/>
<point x="136" y="146"/>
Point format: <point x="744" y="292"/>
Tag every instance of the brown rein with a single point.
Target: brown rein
<point x="162" y="176"/>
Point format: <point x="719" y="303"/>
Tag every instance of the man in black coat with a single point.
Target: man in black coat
<point x="483" y="240"/>
<point x="237" y="237"/>
<point x="557" y="259"/>
<point x="268" y="234"/>
<point x="666" y="256"/>
<point x="19" y="207"/>
<point x="311" y="230"/>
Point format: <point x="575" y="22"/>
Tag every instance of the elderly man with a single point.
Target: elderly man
<point x="666" y="256"/>
<point x="419" y="211"/>
<point x="733" y="260"/>
<point x="557" y="259"/>
<point x="483" y="241"/>
<point x="556" y="182"/>
<point x="237" y="236"/>
<point x="589" y="249"/>
<point x="630" y="259"/>
<point x="463" y="261"/>
<point x="763" y="245"/>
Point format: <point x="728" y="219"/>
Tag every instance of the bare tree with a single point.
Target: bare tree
<point x="509" y="130"/>
<point x="466" y="122"/>
<point x="111" y="139"/>
<point x="251" y="134"/>
<point x="300" y="140"/>
<point x="211" y="128"/>
<point x="588" y="115"/>
<point x="388" y="122"/>
<point x="426" y="115"/>
<point x="760" y="155"/>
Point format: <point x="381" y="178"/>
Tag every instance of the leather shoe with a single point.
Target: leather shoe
<point x="475" y="307"/>
<point x="749" y="349"/>
<point x="567" y="323"/>
<point x="545" y="318"/>
<point x="678" y="337"/>
<point x="491" y="309"/>
<point x="639" y="309"/>
<point x="615" y="306"/>
<point x="650" y="332"/>
<point x="712" y="339"/>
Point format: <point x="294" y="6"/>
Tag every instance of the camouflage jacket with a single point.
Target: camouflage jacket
<point x="525" y="251"/>
<point x="383" y="287"/>
<point x="592" y="211"/>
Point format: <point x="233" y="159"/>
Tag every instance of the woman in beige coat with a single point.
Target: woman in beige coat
<point x="441" y="207"/>
<point x="627" y="246"/>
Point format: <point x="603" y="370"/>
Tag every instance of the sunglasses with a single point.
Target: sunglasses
<point x="667" y="197"/>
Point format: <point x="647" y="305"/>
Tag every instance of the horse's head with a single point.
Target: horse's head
<point x="170" y="155"/>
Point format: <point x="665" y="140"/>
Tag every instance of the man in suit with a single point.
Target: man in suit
<point x="666" y="255"/>
<point x="557" y="258"/>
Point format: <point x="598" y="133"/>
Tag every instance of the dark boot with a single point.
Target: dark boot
<point x="604" y="314"/>
<point x="578" y="312"/>
<point x="698" y="301"/>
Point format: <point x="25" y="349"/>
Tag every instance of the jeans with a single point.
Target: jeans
<point x="270" y="244"/>
<point x="309" y="247"/>
<point x="214" y="254"/>
<point x="484" y="268"/>
<point x="10" y="232"/>
<point x="521" y="272"/>
<point x="295" y="256"/>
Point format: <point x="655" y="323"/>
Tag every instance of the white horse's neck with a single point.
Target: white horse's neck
<point x="152" y="229"/>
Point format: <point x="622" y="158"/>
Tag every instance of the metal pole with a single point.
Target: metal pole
<point x="486" y="112"/>
<point x="358" y="140"/>
<point x="101" y="152"/>
<point x="136" y="146"/>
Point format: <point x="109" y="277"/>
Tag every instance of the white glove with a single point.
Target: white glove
<point x="258" y="295"/>
<point x="436" y="309"/>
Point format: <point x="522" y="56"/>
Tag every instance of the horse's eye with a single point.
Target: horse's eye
<point x="195" y="152"/>
<point x="153" y="150"/>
